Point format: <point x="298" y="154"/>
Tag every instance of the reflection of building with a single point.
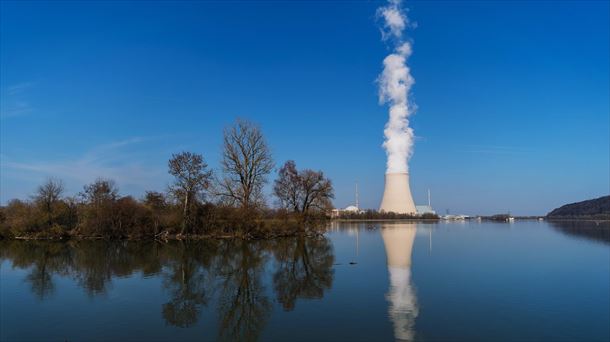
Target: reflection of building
<point x="398" y="241"/>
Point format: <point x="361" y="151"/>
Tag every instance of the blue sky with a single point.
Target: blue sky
<point x="513" y="97"/>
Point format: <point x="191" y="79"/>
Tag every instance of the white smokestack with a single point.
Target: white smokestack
<point x="395" y="83"/>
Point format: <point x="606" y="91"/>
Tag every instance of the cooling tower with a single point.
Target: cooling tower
<point x="397" y="194"/>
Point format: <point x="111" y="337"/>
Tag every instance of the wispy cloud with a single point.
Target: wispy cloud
<point x="17" y="108"/>
<point x="115" y="160"/>
<point x="19" y="88"/>
<point x="14" y="101"/>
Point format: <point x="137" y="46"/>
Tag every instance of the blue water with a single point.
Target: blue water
<point x="528" y="280"/>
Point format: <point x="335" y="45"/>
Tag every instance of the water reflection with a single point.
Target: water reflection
<point x="304" y="269"/>
<point x="592" y="230"/>
<point x="193" y="274"/>
<point x="187" y="279"/>
<point x="243" y="305"/>
<point x="398" y="241"/>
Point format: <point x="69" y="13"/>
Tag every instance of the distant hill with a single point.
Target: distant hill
<point x="598" y="208"/>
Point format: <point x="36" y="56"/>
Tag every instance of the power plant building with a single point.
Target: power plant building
<point x="424" y="209"/>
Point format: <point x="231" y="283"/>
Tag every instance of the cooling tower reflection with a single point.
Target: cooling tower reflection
<point x="402" y="309"/>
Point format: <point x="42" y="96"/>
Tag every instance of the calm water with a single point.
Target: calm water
<point x="390" y="281"/>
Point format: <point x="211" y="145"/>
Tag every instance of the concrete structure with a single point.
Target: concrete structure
<point x="402" y="309"/>
<point x="424" y="209"/>
<point x="352" y="209"/>
<point x="397" y="194"/>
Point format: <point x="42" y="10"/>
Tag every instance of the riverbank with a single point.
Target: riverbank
<point x="236" y="228"/>
<point x="166" y="236"/>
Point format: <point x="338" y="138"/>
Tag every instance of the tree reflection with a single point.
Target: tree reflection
<point x="193" y="273"/>
<point x="243" y="306"/>
<point x="41" y="282"/>
<point x="43" y="259"/>
<point x="304" y="269"/>
<point x="96" y="263"/>
<point x="91" y="264"/>
<point x="188" y="281"/>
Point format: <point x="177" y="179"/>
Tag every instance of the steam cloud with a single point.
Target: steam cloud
<point x="395" y="83"/>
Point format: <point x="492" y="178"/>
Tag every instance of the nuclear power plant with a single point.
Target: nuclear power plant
<point x="397" y="194"/>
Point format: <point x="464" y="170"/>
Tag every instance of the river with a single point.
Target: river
<point x="361" y="281"/>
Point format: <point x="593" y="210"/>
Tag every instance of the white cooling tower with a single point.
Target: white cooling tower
<point x="397" y="194"/>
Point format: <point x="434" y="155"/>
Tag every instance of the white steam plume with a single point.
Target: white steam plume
<point x="394" y="86"/>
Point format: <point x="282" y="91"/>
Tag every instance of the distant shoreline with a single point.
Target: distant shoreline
<point x="527" y="218"/>
<point x="387" y="220"/>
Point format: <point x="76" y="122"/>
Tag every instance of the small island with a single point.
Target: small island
<point x="199" y="202"/>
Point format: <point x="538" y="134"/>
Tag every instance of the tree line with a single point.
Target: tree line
<point x="197" y="202"/>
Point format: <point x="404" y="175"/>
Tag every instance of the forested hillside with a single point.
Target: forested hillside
<point x="598" y="208"/>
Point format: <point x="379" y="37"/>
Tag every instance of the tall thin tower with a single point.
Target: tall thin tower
<point x="357" y="197"/>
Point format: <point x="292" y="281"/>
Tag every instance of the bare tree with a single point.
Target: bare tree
<point x="317" y="191"/>
<point x="100" y="197"/>
<point x="287" y="187"/>
<point x="246" y="162"/>
<point x="47" y="195"/>
<point x="155" y="202"/>
<point x="100" y="191"/>
<point x="191" y="179"/>
<point x="302" y="191"/>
